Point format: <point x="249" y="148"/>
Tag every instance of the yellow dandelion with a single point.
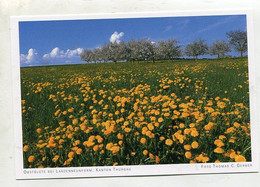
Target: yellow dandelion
<point x="151" y="156"/>
<point x="25" y="148"/>
<point x="221" y="137"/>
<point x="194" y="145"/>
<point x="143" y="140"/>
<point x="218" y="150"/>
<point x="181" y="125"/>
<point x="160" y="120"/>
<point x="55" y="158"/>
<point x="162" y="138"/>
<point x="145" y="152"/>
<point x="240" y="158"/>
<point x="79" y="151"/>
<point x="221" y="104"/>
<point x="169" y="142"/>
<point x="236" y="124"/>
<point x="31" y="159"/>
<point x="75" y="121"/>
<point x="194" y="133"/>
<point x="95" y="147"/>
<point x="218" y="143"/>
<point x="188" y="154"/>
<point x="150" y="126"/>
<point x="187" y="147"/>
<point x="71" y="154"/>
<point x="157" y="159"/>
<point x="120" y="136"/>
<point x="39" y="131"/>
<point x="133" y="153"/>
<point x="115" y="164"/>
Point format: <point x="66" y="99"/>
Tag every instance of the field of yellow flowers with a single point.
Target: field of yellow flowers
<point x="136" y="113"/>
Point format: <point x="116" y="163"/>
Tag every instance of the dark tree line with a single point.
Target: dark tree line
<point x="146" y="50"/>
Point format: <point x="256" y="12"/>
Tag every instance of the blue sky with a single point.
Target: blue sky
<point x="61" y="42"/>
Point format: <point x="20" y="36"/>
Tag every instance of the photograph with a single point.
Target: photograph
<point x="117" y="92"/>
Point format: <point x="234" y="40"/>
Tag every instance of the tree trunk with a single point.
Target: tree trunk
<point x="241" y="54"/>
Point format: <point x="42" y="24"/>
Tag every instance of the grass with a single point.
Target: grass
<point x="98" y="114"/>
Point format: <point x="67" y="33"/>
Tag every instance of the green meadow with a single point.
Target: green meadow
<point x="136" y="113"/>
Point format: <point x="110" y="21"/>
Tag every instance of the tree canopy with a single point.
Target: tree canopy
<point x="145" y="49"/>
<point x="169" y="49"/>
<point x="238" y="40"/>
<point x="196" y="48"/>
<point x="134" y="50"/>
<point x="219" y="48"/>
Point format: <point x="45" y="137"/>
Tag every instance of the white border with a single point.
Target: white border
<point x="132" y="170"/>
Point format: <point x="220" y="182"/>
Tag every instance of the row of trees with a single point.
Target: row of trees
<point x="136" y="50"/>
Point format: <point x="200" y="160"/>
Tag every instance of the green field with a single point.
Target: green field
<point x="182" y="111"/>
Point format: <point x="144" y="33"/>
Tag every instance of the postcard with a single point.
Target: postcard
<point x="134" y="94"/>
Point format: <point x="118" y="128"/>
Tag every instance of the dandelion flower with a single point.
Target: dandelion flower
<point x="218" y="150"/>
<point x="75" y="121"/>
<point x="187" y="147"/>
<point x="194" y="145"/>
<point x="79" y="151"/>
<point x="71" y="154"/>
<point x="39" y="131"/>
<point x="181" y="125"/>
<point x="128" y="129"/>
<point x="31" y="159"/>
<point x="160" y="120"/>
<point x="169" y="142"/>
<point x="120" y="136"/>
<point x="115" y="164"/>
<point x="221" y="104"/>
<point x="218" y="143"/>
<point x="188" y="154"/>
<point x="221" y="137"/>
<point x="162" y="138"/>
<point x="25" y="148"/>
<point x="240" y="158"/>
<point x="194" y="133"/>
<point x="236" y="124"/>
<point x="145" y="152"/>
<point x="233" y="155"/>
<point x="55" y="158"/>
<point x="143" y="140"/>
<point x="157" y="159"/>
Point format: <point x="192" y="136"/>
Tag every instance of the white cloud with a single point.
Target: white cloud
<point x="115" y="37"/>
<point x="55" y="56"/>
<point x="73" y="53"/>
<point x="30" y="57"/>
<point x="56" y="53"/>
